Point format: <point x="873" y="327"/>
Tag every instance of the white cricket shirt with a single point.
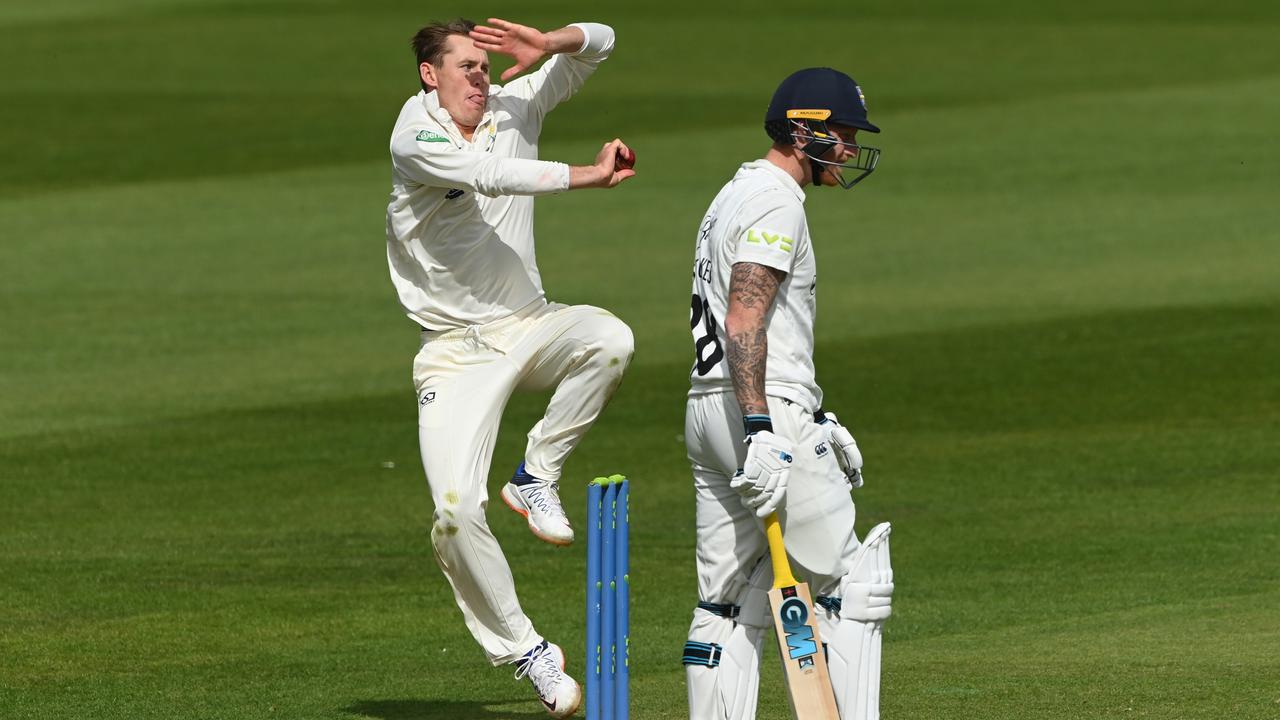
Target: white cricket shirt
<point x="757" y="217"/>
<point x="460" y="219"/>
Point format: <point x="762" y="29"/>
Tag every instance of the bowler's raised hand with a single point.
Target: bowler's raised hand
<point x="524" y="44"/>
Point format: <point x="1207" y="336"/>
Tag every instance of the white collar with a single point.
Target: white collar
<point x="782" y="177"/>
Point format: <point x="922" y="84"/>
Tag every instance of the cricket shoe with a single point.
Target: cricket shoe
<point x="544" y="666"/>
<point x="539" y="502"/>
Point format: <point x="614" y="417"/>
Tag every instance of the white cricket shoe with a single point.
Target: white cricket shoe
<point x="544" y="666"/>
<point x="539" y="502"/>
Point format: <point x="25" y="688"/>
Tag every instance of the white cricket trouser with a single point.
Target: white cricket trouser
<point x="817" y="518"/>
<point x="464" y="378"/>
<point x="817" y="514"/>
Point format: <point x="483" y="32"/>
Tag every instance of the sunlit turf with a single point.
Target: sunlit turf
<point x="1050" y="318"/>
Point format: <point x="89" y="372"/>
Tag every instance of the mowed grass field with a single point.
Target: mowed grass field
<point x="1052" y="319"/>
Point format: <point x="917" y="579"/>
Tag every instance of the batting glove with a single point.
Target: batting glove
<point x="762" y="481"/>
<point x="848" y="456"/>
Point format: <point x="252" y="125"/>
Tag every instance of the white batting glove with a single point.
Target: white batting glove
<point x="762" y="481"/>
<point x="848" y="456"/>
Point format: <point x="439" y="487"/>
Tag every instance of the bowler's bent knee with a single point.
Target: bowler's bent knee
<point x="614" y="343"/>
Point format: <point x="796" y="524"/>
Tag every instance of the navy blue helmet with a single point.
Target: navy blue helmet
<point x="805" y="103"/>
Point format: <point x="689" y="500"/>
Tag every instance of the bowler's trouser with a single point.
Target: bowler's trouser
<point x="464" y="378"/>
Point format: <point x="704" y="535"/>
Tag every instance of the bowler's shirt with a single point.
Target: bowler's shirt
<point x="758" y="217"/>
<point x="460" y="219"/>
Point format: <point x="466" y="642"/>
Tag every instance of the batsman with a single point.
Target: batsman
<point x="465" y="170"/>
<point x="758" y="438"/>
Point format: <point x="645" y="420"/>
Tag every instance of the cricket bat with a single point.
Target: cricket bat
<point x="803" y="659"/>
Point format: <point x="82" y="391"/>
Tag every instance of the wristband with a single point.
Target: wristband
<point x="755" y="423"/>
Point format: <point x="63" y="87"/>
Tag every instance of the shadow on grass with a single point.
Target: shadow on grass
<point x="452" y="709"/>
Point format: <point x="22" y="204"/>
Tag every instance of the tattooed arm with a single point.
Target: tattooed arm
<point x="752" y="288"/>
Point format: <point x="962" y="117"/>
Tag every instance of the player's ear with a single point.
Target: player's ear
<point x="801" y="134"/>
<point x="428" y="74"/>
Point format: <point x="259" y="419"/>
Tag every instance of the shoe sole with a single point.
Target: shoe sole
<point x="558" y="542"/>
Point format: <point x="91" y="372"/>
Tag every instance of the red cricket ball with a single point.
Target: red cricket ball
<point x="626" y="158"/>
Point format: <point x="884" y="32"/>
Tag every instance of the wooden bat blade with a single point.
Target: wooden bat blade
<point x="803" y="661"/>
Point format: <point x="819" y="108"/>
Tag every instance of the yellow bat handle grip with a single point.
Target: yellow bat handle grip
<point x="782" y="576"/>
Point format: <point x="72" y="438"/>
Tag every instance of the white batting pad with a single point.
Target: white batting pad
<point x="853" y="648"/>
<point x="728" y="691"/>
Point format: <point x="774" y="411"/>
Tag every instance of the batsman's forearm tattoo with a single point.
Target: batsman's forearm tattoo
<point x="746" y="352"/>
<point x="752" y="289"/>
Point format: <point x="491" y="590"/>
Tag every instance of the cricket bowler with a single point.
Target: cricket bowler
<point x="758" y="438"/>
<point x="465" y="170"/>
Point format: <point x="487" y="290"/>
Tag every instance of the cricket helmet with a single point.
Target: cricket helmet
<point x="801" y="108"/>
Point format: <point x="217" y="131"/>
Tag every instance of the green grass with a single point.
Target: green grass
<point x="1050" y="317"/>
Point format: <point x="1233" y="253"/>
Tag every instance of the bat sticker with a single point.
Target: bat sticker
<point x="795" y="618"/>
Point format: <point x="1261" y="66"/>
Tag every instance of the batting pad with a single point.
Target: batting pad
<point x="729" y="690"/>
<point x="853" y="647"/>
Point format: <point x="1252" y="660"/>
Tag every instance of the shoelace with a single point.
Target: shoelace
<point x="548" y="503"/>
<point x="548" y="674"/>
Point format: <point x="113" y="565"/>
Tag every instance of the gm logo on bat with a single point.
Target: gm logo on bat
<point x="795" y="618"/>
